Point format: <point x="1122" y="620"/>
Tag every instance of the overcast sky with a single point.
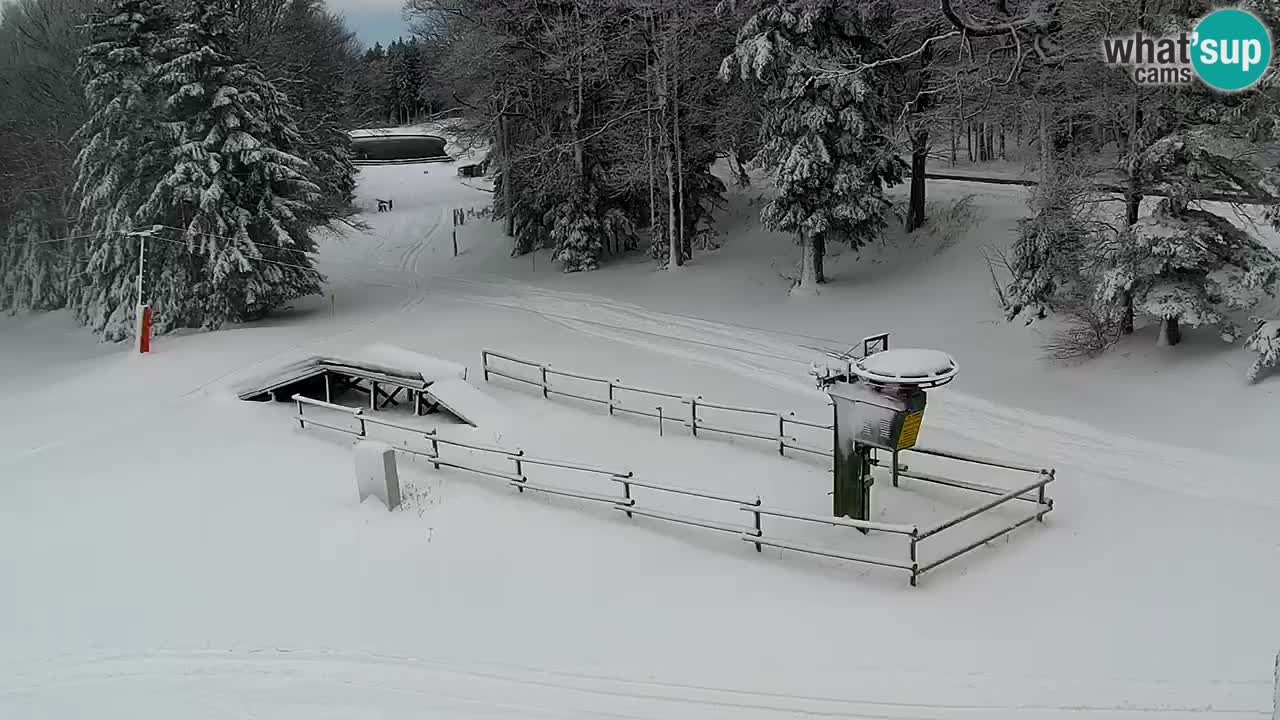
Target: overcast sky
<point x="373" y="20"/>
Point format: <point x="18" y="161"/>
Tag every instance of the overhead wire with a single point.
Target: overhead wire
<point x="542" y="313"/>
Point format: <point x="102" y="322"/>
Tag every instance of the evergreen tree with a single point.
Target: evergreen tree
<point x="576" y="234"/>
<point x="30" y="263"/>
<point x="1265" y="341"/>
<point x="315" y="55"/>
<point x="825" y="133"/>
<point x="122" y="155"/>
<point x="43" y="107"/>
<point x="1183" y="266"/>
<point x="236" y="186"/>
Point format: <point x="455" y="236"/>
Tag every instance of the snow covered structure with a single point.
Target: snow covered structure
<point x="879" y="405"/>
<point x="397" y="145"/>
<point x="376" y="474"/>
<point x="386" y="374"/>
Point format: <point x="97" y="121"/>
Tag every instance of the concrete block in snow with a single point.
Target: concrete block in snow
<point x="376" y="473"/>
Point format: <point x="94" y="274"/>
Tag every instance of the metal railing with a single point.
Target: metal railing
<point x="1040" y="498"/>
<point x="516" y="456"/>
<point x="695" y="423"/>
<point x="627" y="503"/>
<point x="782" y="437"/>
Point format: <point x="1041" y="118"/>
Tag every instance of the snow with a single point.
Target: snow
<point x="432" y="369"/>
<point x="297" y="369"/>
<point x="170" y="551"/>
<point x="381" y="358"/>
<point x="472" y="405"/>
<point x="908" y="363"/>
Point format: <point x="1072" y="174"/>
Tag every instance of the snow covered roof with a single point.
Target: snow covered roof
<point x="392" y="132"/>
<point x="907" y="365"/>
<point x="443" y="381"/>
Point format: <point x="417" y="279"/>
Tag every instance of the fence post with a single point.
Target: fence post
<point x="610" y="382"/>
<point x="659" y="421"/>
<point x="373" y="395"/>
<point x="782" y="436"/>
<point x="544" y="382"/>
<point x="484" y="364"/>
<point x="435" y="449"/>
<point x="915" y="566"/>
<point x="756" y="524"/>
<point x="1040" y="497"/>
<point x="301" y="423"/>
<point x="693" y="414"/>
<point x="519" y="468"/>
<point x="1275" y="707"/>
<point x="364" y="431"/>
<point x="626" y="495"/>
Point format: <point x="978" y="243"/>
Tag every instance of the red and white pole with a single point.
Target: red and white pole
<point x="143" y="328"/>
<point x="142" y="320"/>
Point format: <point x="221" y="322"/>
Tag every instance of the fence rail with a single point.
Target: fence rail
<point x="1043" y="506"/>
<point x="781" y="437"/>
<point x="785" y="442"/>
<point x="754" y="534"/>
<point x="627" y="503"/>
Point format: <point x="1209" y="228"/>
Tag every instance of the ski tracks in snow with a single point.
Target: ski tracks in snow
<point x="280" y="677"/>
<point x="773" y="357"/>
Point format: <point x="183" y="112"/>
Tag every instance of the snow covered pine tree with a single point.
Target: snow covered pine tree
<point x="123" y="152"/>
<point x="32" y="275"/>
<point x="245" y="202"/>
<point x="825" y="129"/>
<point x="1185" y="266"/>
<point x="1265" y="341"/>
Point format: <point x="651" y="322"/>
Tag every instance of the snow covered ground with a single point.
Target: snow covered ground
<point x="169" y="551"/>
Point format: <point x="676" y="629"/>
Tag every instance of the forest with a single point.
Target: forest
<point x="613" y="126"/>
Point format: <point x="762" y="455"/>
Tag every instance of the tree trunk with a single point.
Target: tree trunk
<point x="1046" y="146"/>
<point x="813" y="248"/>
<point x="968" y="139"/>
<point x="919" y="143"/>
<point x="919" y="157"/>
<point x="575" y="113"/>
<point x="1170" y="332"/>
<point x="1003" y="154"/>
<point x="508" y="180"/>
<point x="675" y="258"/>
<point x="653" y="183"/>
<point x="819" y="258"/>
<point x="686" y="249"/>
<point x="1132" y="197"/>
<point x="954" y="141"/>
<point x="650" y="153"/>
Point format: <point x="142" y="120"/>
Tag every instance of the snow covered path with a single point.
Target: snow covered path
<point x="169" y="551"/>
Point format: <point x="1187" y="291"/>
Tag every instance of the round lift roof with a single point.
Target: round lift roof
<point x="907" y="366"/>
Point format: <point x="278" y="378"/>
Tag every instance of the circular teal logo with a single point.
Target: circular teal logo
<point x="1231" y="49"/>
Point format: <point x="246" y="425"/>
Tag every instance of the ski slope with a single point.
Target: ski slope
<point x="170" y="551"/>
